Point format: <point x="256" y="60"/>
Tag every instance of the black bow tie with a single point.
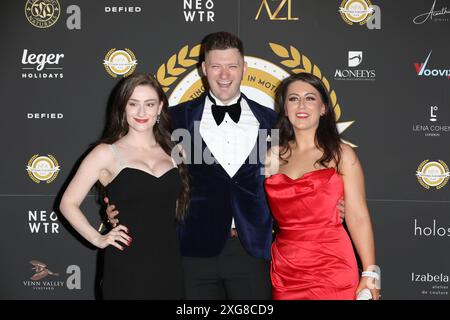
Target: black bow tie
<point x="234" y="110"/>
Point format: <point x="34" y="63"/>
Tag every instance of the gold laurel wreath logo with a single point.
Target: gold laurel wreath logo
<point x="31" y="175"/>
<point x="108" y="69"/>
<point x="169" y="72"/>
<point x="420" y="179"/>
<point x="297" y="63"/>
<point x="180" y="62"/>
<point x="347" y="17"/>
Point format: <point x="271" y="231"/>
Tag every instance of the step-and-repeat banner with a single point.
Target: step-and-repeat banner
<point x="385" y="64"/>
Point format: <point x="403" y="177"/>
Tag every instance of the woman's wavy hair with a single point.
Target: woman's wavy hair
<point x="327" y="136"/>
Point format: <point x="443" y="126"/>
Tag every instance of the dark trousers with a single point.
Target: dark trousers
<point x="234" y="274"/>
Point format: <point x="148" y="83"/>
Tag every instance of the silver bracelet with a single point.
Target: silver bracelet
<point x="370" y="274"/>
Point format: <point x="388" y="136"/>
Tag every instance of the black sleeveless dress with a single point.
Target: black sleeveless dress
<point x="151" y="267"/>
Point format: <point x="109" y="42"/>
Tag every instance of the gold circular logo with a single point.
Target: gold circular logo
<point x="120" y="62"/>
<point x="42" y="13"/>
<point x="43" y="168"/>
<point x="356" y="11"/>
<point x="433" y="174"/>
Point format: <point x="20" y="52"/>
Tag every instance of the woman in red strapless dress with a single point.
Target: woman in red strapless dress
<point x="312" y="255"/>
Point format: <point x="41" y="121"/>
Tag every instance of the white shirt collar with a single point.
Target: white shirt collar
<point x="220" y="103"/>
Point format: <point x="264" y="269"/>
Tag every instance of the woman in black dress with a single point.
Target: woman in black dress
<point x="133" y="165"/>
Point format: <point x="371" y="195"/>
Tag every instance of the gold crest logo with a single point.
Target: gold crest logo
<point x="42" y="13"/>
<point x="43" y="168"/>
<point x="120" y="62"/>
<point x="356" y="11"/>
<point x="434" y="174"/>
<point x="259" y="83"/>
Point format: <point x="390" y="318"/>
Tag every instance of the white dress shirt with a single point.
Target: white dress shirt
<point x="230" y="142"/>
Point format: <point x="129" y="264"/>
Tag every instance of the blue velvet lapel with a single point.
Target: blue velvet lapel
<point x="258" y="113"/>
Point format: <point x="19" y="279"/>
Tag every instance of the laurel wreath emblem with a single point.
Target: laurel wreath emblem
<point x="180" y="62"/>
<point x="422" y="164"/>
<point x="30" y="163"/>
<point x="108" y="69"/>
<point x="297" y="63"/>
<point x="168" y="73"/>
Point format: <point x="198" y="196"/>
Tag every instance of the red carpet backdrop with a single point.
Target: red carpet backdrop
<point x="385" y="63"/>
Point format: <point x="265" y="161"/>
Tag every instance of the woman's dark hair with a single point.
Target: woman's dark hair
<point x="117" y="127"/>
<point x="327" y="136"/>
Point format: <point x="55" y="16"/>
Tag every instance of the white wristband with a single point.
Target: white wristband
<point x="370" y="274"/>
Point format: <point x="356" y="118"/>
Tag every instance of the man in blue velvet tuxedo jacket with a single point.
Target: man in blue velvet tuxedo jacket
<point x="227" y="233"/>
<point x="221" y="191"/>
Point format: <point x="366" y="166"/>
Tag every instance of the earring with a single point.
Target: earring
<point x="158" y="117"/>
